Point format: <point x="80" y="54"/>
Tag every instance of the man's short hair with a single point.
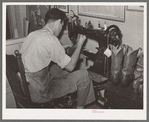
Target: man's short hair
<point x="55" y="14"/>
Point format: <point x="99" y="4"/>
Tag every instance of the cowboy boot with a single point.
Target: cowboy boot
<point x="139" y="66"/>
<point x="136" y="84"/>
<point x="138" y="73"/>
<point x="141" y="90"/>
<point x="116" y="64"/>
<point x="130" y="59"/>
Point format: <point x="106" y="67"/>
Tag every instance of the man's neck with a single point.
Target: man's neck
<point x="50" y="27"/>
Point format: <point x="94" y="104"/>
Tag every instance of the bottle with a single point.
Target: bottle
<point x="99" y="25"/>
<point x="90" y="24"/>
<point x="105" y="25"/>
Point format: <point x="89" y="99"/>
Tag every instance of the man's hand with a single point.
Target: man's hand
<point x="81" y="39"/>
<point x="74" y="58"/>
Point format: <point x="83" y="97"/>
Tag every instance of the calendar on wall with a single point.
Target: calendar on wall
<point x="112" y="12"/>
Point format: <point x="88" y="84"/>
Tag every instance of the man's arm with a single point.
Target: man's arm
<point x="70" y="50"/>
<point x="74" y="58"/>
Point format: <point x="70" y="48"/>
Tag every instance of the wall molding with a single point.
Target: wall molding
<point x="14" y="41"/>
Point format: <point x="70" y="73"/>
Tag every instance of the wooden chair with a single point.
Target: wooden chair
<point x="16" y="77"/>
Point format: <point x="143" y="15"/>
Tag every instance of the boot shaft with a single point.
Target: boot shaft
<point x="130" y="59"/>
<point x="116" y="64"/>
<point x="116" y="60"/>
<point x="129" y="63"/>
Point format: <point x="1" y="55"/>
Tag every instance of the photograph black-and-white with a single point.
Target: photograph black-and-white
<point x="70" y="61"/>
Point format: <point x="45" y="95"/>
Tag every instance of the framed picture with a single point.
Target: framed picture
<point x="64" y="8"/>
<point x="111" y="12"/>
<point x="135" y="7"/>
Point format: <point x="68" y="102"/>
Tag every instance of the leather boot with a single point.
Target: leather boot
<point x="136" y="84"/>
<point x="116" y="64"/>
<point x="138" y="73"/>
<point x="139" y="66"/>
<point x="129" y="63"/>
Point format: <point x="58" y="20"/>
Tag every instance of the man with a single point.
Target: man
<point x="42" y="47"/>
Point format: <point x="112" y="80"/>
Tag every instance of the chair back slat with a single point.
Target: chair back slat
<point x="22" y="73"/>
<point x="17" y="80"/>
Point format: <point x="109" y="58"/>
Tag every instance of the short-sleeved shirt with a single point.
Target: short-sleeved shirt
<point x="38" y="50"/>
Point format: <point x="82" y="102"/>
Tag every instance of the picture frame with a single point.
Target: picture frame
<point x="64" y="8"/>
<point x="103" y="12"/>
<point x="135" y="8"/>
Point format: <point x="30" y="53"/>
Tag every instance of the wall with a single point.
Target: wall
<point x="132" y="28"/>
<point x="17" y="13"/>
<point x="22" y="9"/>
<point x="13" y="44"/>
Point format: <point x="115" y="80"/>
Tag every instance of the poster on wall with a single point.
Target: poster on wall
<point x="36" y="16"/>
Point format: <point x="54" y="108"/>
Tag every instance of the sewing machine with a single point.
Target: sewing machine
<point x="112" y="35"/>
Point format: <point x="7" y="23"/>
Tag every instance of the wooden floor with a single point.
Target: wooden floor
<point x="94" y="105"/>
